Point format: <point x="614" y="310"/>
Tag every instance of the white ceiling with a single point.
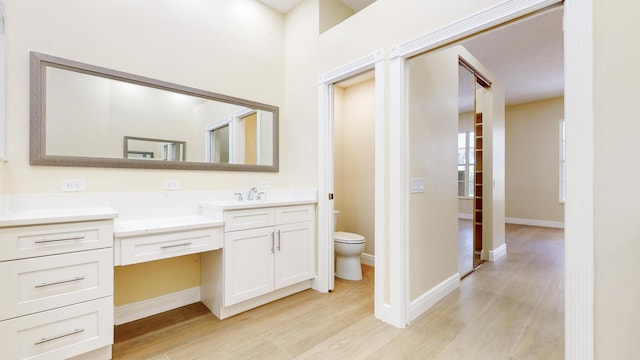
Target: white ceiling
<point x="285" y="5"/>
<point x="528" y="56"/>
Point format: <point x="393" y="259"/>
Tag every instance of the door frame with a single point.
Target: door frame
<point x="579" y="215"/>
<point x="325" y="280"/>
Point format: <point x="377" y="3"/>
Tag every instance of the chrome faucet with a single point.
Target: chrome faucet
<point x="238" y="196"/>
<point x="252" y="193"/>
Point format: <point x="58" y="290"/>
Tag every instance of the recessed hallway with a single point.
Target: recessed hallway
<point x="509" y="309"/>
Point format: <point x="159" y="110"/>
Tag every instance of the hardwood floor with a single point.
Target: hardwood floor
<point x="509" y="309"/>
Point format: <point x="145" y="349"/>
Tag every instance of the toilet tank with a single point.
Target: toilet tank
<point x="336" y="213"/>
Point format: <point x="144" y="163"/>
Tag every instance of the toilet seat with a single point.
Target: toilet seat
<point x="348" y="238"/>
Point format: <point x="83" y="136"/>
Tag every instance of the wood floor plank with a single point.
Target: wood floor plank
<point x="509" y="309"/>
<point x="357" y="341"/>
<point x="426" y="338"/>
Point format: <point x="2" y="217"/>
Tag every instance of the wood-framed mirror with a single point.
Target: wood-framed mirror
<point x="81" y="113"/>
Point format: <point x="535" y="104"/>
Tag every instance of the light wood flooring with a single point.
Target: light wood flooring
<point x="508" y="309"/>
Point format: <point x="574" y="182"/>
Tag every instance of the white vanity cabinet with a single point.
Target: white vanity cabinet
<point x="268" y="253"/>
<point x="57" y="276"/>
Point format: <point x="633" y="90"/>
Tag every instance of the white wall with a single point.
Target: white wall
<point x="617" y="229"/>
<point x="198" y="44"/>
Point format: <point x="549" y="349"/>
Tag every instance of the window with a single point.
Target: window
<point x="563" y="163"/>
<point x="466" y="164"/>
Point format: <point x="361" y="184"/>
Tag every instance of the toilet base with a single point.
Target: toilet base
<point x="348" y="268"/>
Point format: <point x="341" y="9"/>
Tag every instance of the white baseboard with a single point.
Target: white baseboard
<point x="141" y="309"/>
<point x="368" y="259"/>
<point x="420" y="305"/>
<point x="533" y="222"/>
<point x="385" y="314"/>
<point x="465" y="216"/>
<point x="498" y="252"/>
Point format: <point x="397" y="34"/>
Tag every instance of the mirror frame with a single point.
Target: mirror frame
<point x="38" y="137"/>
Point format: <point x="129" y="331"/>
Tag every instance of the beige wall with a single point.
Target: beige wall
<point x="332" y="12"/>
<point x="532" y="160"/>
<point x="616" y="127"/>
<point x="433" y="127"/>
<point x="152" y="279"/>
<point x="191" y="44"/>
<point x="381" y="25"/>
<point x="354" y="142"/>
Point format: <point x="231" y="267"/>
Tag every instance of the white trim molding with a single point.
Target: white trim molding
<point x="325" y="279"/>
<point x="485" y="19"/>
<point x="367" y="259"/>
<point x="423" y="303"/>
<point x="398" y="175"/>
<point x="579" y="206"/>
<point x="534" y="222"/>
<point x="141" y="309"/>
<point x="498" y="253"/>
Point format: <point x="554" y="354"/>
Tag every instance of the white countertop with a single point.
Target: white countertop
<point x="255" y="204"/>
<point x="125" y="228"/>
<point x="39" y="217"/>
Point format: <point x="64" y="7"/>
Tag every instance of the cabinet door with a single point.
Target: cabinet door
<point x="248" y="264"/>
<point x="295" y="253"/>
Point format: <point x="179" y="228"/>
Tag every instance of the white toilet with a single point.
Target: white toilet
<point x="347" y="247"/>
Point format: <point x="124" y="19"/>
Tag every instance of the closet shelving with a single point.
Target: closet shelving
<point x="477" y="183"/>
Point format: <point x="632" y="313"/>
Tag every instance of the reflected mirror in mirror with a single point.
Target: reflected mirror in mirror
<point x="155" y="149"/>
<point x="80" y="114"/>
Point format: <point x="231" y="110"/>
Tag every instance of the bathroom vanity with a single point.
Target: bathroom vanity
<point x="56" y="268"/>
<point x="57" y="265"/>
<point x="269" y="253"/>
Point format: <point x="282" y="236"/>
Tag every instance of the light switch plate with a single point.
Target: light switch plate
<point x="417" y="185"/>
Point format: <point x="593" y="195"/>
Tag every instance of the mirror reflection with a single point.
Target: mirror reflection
<point x="155" y="149"/>
<point x="82" y="114"/>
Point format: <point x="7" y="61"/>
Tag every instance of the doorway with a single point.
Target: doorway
<point x="372" y="66"/>
<point x="473" y="89"/>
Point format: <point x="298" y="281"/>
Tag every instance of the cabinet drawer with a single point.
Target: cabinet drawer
<point x="294" y="214"/>
<point x="32" y="285"/>
<point x="59" y="333"/>
<point x="248" y="219"/>
<point x="31" y="241"/>
<point x="161" y="246"/>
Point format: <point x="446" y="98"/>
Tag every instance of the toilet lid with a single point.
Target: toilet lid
<point x="348" y="238"/>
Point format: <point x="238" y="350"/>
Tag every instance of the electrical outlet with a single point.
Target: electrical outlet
<point x="73" y="185"/>
<point x="171" y="184"/>
<point x="265" y="184"/>
<point x="417" y="185"/>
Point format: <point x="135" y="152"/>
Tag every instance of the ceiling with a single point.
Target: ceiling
<point x="285" y="5"/>
<point x="527" y="55"/>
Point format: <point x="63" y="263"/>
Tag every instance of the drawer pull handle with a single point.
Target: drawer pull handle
<point x="279" y="240"/>
<point x="175" y="245"/>
<point x="60" y="282"/>
<point x="44" y="340"/>
<point x="61" y="239"/>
